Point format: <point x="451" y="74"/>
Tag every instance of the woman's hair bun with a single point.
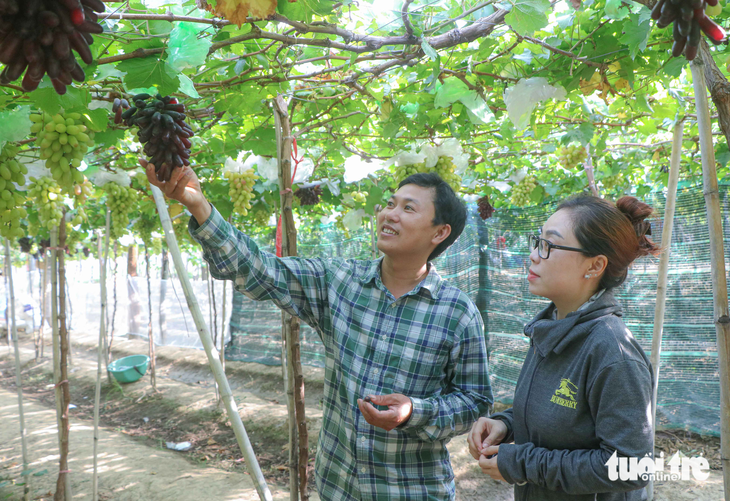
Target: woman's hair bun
<point x="637" y="212"/>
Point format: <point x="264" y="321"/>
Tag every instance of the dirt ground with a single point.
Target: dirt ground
<point x="136" y="422"/>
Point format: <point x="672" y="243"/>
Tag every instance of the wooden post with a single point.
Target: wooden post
<point x="290" y="325"/>
<point x="661" y="288"/>
<point x="165" y="276"/>
<point x="18" y="378"/>
<point x="100" y="350"/>
<point x="717" y="256"/>
<point x="63" y="484"/>
<point x="231" y="408"/>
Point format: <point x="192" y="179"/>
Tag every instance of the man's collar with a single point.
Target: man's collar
<point x="432" y="283"/>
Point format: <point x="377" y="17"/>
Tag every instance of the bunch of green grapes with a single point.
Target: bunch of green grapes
<point x="241" y="189"/>
<point x="73" y="239"/>
<point x="46" y="194"/>
<point x="570" y="156"/>
<point x="121" y="200"/>
<point x="64" y="140"/>
<point x="11" y="201"/>
<point x="261" y="217"/>
<point x="444" y="168"/>
<point x="359" y="197"/>
<point x="521" y="192"/>
<point x="612" y="182"/>
<point x="144" y="227"/>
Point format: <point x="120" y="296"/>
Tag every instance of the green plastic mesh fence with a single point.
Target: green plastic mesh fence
<point x="489" y="262"/>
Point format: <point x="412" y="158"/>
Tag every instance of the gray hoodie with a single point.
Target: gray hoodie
<point x="583" y="393"/>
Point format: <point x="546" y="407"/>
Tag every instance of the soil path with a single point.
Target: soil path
<point x="135" y="465"/>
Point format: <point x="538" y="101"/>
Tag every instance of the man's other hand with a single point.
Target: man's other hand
<point x="398" y="412"/>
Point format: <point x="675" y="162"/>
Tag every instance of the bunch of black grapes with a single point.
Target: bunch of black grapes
<point x="162" y="130"/>
<point x="690" y="20"/>
<point x="38" y="36"/>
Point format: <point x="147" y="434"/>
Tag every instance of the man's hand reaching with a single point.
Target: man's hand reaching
<point x="184" y="187"/>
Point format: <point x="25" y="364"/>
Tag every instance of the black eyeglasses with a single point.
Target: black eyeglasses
<point x="543" y="246"/>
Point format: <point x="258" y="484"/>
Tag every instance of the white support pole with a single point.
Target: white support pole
<point x="721" y="315"/>
<point x="661" y="288"/>
<point x="100" y="356"/>
<point x="215" y="364"/>
<point x="18" y="379"/>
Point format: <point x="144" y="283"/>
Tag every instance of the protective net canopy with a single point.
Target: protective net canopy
<point x="489" y="262"/>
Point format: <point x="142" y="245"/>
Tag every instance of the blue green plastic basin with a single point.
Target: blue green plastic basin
<point x="129" y="369"/>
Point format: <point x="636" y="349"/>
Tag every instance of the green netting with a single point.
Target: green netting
<point x="489" y="262"/>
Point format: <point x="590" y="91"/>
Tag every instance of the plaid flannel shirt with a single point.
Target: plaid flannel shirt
<point x="428" y="345"/>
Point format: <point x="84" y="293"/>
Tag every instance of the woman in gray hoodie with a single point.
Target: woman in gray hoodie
<point x="584" y="392"/>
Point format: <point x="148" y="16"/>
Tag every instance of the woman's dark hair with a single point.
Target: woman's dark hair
<point x="618" y="231"/>
<point x="449" y="209"/>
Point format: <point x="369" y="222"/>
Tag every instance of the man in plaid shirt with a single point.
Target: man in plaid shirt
<point x="406" y="361"/>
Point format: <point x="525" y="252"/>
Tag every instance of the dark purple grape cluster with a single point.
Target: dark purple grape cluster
<point x="162" y="130"/>
<point x="118" y="107"/>
<point x="485" y="208"/>
<point x="690" y="20"/>
<point x="40" y="35"/>
<point x="309" y="196"/>
<point x="25" y="244"/>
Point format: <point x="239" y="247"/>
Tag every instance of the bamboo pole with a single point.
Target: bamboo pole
<point x="717" y="256"/>
<point x="18" y="378"/>
<point x="100" y="350"/>
<point x="150" y="333"/>
<point x="231" y="408"/>
<point x="63" y="484"/>
<point x="290" y="327"/>
<point x="661" y="288"/>
<point x="7" y="307"/>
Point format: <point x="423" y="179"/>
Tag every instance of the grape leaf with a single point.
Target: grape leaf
<point x="616" y="9"/>
<point x="451" y="91"/>
<point x="636" y="31"/>
<point x="148" y="72"/>
<point x="528" y="16"/>
<point x="14" y="124"/>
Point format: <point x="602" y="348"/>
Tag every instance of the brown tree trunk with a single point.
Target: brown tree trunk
<point x="290" y="327"/>
<point x="719" y="88"/>
<point x="62" y="484"/>
<point x="135" y="307"/>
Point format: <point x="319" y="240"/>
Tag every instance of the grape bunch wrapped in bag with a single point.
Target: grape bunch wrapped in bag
<point x="448" y="160"/>
<point x="162" y="131"/>
<point x="38" y="37"/>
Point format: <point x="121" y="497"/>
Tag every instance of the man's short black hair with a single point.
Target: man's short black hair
<point x="449" y="209"/>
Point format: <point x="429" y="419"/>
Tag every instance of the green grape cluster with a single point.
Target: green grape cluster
<point x="444" y="168"/>
<point x="241" y="189"/>
<point x="570" y="156"/>
<point x="121" y="200"/>
<point x="11" y="201"/>
<point x="261" y="217"/>
<point x="46" y="194"/>
<point x="612" y="182"/>
<point x="144" y="227"/>
<point x="63" y="139"/>
<point x="521" y="192"/>
<point x="359" y="197"/>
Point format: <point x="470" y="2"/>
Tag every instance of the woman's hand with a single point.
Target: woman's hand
<point x="183" y="187"/>
<point x="484" y="433"/>
<point x="488" y="462"/>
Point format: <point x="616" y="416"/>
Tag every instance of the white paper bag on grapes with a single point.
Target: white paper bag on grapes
<point x="408" y="158"/>
<point x="431" y="155"/>
<point x="304" y="170"/>
<point x="357" y="169"/>
<point x="102" y="177"/>
<point x="353" y="219"/>
<point x="521" y="98"/>
<point x="267" y="168"/>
